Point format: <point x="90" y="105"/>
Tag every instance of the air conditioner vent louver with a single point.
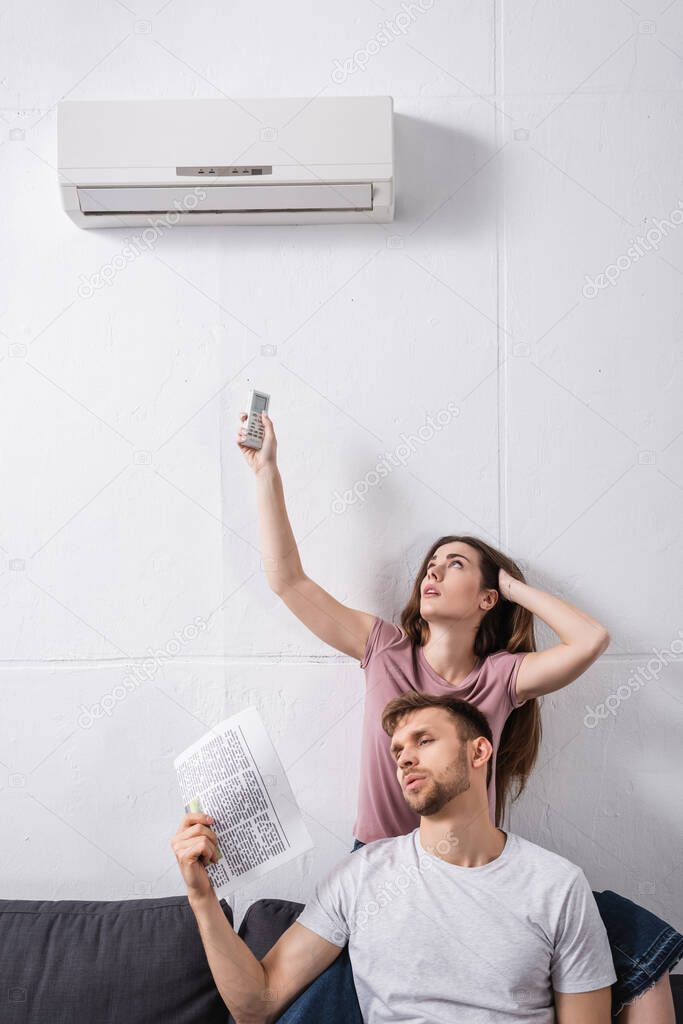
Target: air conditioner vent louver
<point x="101" y="201"/>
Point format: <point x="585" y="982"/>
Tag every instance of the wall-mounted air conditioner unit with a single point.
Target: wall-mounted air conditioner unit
<point x="227" y="161"/>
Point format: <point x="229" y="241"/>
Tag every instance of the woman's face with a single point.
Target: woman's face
<point x="453" y="572"/>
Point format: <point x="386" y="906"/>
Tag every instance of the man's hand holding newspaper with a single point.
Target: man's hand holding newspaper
<point x="195" y="844"/>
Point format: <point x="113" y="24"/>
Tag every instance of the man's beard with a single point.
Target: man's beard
<point x="456" y="780"/>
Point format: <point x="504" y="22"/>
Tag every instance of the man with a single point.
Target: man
<point x="457" y="921"/>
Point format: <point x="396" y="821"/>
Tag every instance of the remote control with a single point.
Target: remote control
<point x="254" y="432"/>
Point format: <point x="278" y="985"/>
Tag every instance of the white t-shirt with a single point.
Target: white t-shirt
<point x="434" y="943"/>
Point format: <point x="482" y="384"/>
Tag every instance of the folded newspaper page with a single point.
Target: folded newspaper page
<point x="234" y="774"/>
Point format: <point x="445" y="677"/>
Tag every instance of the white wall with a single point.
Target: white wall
<point x="534" y="142"/>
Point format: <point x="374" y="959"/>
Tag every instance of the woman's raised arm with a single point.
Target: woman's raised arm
<point x="343" y="628"/>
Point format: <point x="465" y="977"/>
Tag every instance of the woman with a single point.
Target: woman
<point x="468" y="625"/>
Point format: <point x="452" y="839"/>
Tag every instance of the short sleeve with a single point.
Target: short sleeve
<point x="582" y="959"/>
<point x="507" y="665"/>
<point x="382" y="634"/>
<point x="325" y="913"/>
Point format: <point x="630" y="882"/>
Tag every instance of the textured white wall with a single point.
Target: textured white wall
<point x="534" y="142"/>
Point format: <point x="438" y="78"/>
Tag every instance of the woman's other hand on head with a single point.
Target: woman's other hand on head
<point x="505" y="580"/>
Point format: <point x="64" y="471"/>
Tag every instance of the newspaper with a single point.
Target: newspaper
<point x="234" y="774"/>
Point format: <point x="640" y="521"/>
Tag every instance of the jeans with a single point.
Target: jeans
<point x="643" y="946"/>
<point x="643" y="949"/>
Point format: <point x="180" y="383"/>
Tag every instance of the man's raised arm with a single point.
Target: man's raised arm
<point x="259" y="991"/>
<point x="254" y="991"/>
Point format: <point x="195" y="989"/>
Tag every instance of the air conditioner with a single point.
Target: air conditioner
<point x="327" y="160"/>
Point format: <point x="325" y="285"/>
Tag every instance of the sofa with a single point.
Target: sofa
<point x="137" y="961"/>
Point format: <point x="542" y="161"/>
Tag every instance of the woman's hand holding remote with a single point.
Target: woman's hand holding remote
<point x="266" y="455"/>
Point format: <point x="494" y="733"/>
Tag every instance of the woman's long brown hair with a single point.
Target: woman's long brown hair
<point x="506" y="627"/>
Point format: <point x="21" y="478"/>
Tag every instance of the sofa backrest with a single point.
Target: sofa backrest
<point x="102" y="962"/>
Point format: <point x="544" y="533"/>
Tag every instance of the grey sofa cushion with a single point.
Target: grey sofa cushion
<point x="105" y="962"/>
<point x="264" y="923"/>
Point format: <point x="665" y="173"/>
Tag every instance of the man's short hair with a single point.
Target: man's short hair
<point x="469" y="720"/>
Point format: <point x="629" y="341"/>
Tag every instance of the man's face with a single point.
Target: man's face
<point x="432" y="764"/>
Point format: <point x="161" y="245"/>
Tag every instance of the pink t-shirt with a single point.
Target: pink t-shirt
<point x="389" y="672"/>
